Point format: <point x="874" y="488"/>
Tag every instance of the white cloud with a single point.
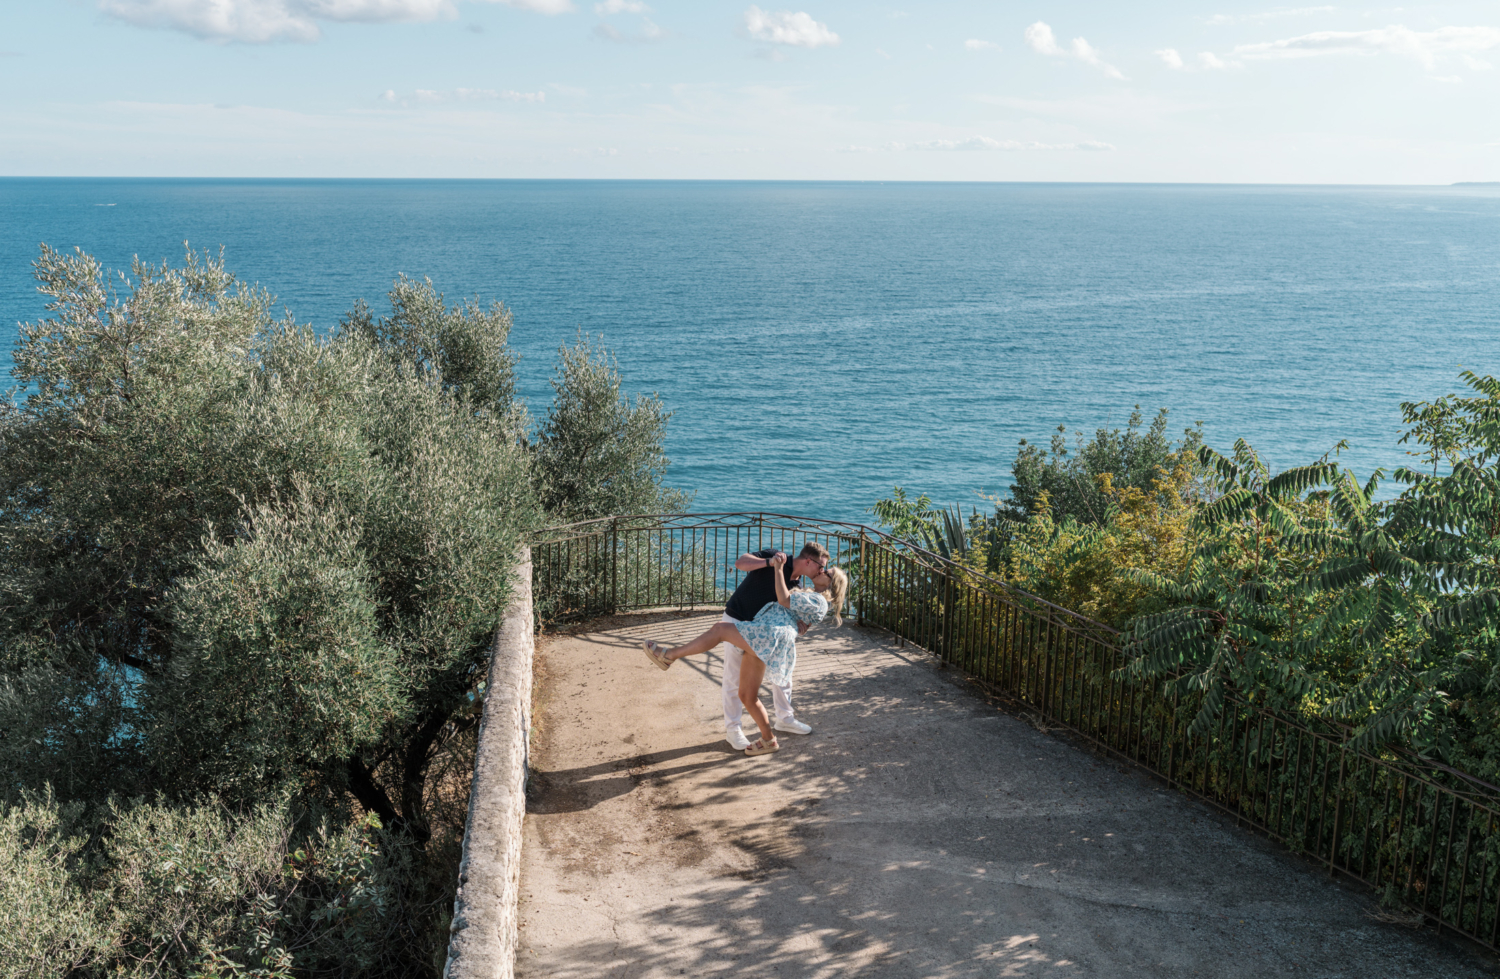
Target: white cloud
<point x="620" y="7"/>
<point x="1086" y="53"/>
<point x="1041" y="39"/>
<point x="1424" y="47"/>
<point x="1207" y="61"/>
<point x="266" y="21"/>
<point x="975" y="44"/>
<point x="986" y="143"/>
<point x="428" y="96"/>
<point x="794" y="29"/>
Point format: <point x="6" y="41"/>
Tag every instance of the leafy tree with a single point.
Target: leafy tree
<point x="1068" y="484"/>
<point x="274" y="561"/>
<point x="597" y="454"/>
<point x="1085" y="567"/>
<point x="1241" y="614"/>
<point x="911" y="520"/>
<point x="466" y="346"/>
<point x="249" y="578"/>
<point x="1307" y="591"/>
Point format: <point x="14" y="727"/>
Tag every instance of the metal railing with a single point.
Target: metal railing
<point x="1423" y="835"/>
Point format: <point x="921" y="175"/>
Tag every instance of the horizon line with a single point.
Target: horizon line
<point x="766" y="180"/>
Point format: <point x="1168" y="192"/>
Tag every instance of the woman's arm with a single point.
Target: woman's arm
<point x="783" y="596"/>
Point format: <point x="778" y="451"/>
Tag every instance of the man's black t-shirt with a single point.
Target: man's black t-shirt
<point x="758" y="589"/>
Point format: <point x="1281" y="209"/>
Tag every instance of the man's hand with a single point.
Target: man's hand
<point x="802" y="627"/>
<point x="777" y="560"/>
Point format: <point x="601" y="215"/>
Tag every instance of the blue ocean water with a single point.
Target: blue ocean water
<point x="822" y="342"/>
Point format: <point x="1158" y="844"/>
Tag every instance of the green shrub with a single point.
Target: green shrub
<point x="50" y="922"/>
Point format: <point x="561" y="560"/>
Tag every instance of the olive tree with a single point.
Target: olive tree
<point x="249" y="578"/>
<point x="598" y="454"/>
<point x="239" y="557"/>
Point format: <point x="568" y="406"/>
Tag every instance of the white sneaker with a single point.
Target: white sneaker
<point x="737" y="739"/>
<point x="792" y="726"/>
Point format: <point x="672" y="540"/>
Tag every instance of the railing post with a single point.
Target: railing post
<point x="614" y="565"/>
<point x="947" y="616"/>
<point x="864" y="579"/>
<point x="1338" y="811"/>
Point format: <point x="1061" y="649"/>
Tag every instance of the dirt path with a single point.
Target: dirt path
<point x="917" y="832"/>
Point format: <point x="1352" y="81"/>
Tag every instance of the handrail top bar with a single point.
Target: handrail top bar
<point x="863" y="529"/>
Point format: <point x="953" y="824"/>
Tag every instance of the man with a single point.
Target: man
<point x="756" y="591"/>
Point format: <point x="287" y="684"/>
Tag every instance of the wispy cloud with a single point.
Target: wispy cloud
<point x="1424" y="47"/>
<point x="796" y="30"/>
<point x="428" y="96"/>
<point x="975" y="44"/>
<point x="987" y="143"/>
<point x="1040" y="38"/>
<point x="1207" y="61"/>
<point x="267" y="21"/>
<point x="1264" y="15"/>
<point x="648" y="33"/>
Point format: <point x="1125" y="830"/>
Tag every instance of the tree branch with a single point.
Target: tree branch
<point x="370" y="795"/>
<point x="414" y="771"/>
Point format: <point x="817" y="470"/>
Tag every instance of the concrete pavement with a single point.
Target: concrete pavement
<point x="918" y="832"/>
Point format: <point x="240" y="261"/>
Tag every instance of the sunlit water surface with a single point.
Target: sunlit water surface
<point x="822" y="342"/>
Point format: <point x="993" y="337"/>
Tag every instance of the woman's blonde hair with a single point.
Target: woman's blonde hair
<point x="838" y="590"/>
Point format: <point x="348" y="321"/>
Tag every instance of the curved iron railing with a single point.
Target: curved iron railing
<point x="1425" y="836"/>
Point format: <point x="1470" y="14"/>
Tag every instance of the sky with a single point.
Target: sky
<point x="1097" y="91"/>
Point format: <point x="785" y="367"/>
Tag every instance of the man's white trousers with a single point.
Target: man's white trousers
<point x="734" y="711"/>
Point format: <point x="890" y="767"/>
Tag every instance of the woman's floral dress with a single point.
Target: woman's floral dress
<point x="772" y="634"/>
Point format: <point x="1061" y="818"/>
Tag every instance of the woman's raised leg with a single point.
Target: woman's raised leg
<point x="720" y="632"/>
<point x="752" y="672"/>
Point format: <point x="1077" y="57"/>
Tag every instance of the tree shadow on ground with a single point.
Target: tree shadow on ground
<point x="922" y="833"/>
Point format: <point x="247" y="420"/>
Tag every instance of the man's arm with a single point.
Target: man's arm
<point x="753" y="562"/>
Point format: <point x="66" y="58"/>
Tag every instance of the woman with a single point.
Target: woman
<point x="770" y="639"/>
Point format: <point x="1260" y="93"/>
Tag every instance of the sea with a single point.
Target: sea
<point x="821" y="343"/>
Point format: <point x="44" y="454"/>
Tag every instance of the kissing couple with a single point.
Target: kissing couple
<point x="763" y="619"/>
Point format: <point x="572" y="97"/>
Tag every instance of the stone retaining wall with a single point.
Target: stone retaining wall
<point x="482" y="944"/>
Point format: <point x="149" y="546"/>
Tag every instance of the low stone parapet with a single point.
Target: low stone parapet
<point x="482" y="942"/>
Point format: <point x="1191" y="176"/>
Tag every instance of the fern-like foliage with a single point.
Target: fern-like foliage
<point x="1307" y="592"/>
